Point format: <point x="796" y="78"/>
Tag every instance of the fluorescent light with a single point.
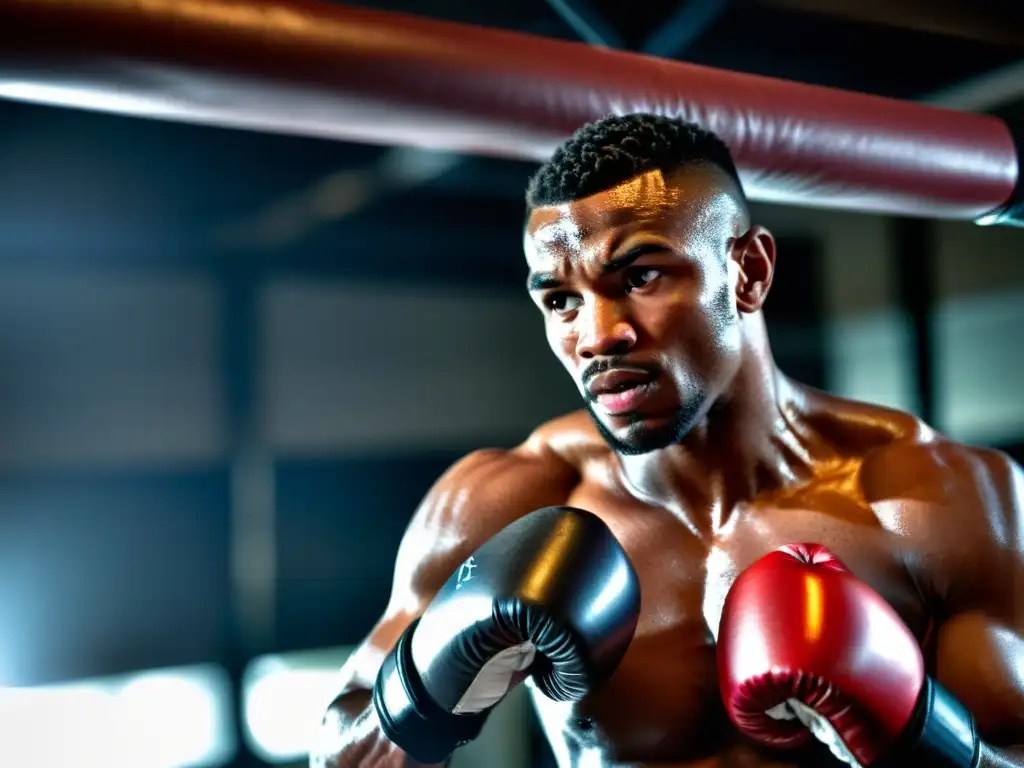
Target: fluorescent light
<point x="170" y="718"/>
<point x="284" y="699"/>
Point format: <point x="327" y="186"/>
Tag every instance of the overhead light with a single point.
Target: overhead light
<point x="284" y="698"/>
<point x="168" y="718"/>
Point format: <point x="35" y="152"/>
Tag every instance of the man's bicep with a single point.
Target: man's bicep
<point x="422" y="564"/>
<point x="477" y="497"/>
<point x="981" y="645"/>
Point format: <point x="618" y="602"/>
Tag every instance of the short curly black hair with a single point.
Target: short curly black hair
<point x="610" y="151"/>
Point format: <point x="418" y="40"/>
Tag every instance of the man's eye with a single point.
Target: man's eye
<point x="638" y="277"/>
<point x="561" y="303"/>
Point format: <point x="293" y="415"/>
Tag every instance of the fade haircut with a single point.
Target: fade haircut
<point x="613" y="150"/>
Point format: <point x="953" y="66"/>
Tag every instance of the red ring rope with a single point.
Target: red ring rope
<point x="326" y="70"/>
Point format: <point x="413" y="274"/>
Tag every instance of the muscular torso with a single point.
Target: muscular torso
<point x="662" y="707"/>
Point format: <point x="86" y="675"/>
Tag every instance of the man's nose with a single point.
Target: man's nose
<point x="603" y="330"/>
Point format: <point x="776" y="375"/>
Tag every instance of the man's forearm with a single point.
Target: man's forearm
<point x="350" y="737"/>
<point x="1001" y="757"/>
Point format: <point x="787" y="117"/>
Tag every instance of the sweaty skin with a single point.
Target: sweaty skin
<point x="718" y="461"/>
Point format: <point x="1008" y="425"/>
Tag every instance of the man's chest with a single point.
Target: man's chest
<point x="663" y="702"/>
<point x="686" y="568"/>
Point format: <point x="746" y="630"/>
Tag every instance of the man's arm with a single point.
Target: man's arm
<point x="981" y="646"/>
<point x="476" y="498"/>
<point x="965" y="507"/>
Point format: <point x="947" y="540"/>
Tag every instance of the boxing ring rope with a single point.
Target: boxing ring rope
<point x="331" y="71"/>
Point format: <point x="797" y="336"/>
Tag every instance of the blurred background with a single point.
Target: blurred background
<point x="231" y="364"/>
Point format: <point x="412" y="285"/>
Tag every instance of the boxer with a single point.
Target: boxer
<point x="702" y="459"/>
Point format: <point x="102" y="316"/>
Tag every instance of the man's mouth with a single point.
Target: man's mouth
<point x="621" y="390"/>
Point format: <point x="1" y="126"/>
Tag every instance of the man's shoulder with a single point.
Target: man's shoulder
<point x="571" y="439"/>
<point x="895" y="447"/>
<point x="950" y="488"/>
<point x="860" y="428"/>
<point x="479" y="495"/>
<point x="933" y="465"/>
<point x="493" y="486"/>
<point x="903" y="462"/>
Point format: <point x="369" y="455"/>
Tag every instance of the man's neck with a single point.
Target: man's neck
<point x="754" y="440"/>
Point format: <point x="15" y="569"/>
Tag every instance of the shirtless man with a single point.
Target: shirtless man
<point x="648" y="270"/>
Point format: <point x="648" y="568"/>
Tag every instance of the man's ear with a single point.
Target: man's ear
<point x="754" y="252"/>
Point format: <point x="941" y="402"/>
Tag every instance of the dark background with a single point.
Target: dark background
<point x="139" y="468"/>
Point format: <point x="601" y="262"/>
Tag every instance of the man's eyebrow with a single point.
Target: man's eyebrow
<point x="621" y="262"/>
<point x="540" y="281"/>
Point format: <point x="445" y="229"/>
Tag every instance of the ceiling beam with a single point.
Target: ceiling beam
<point x="292" y="217"/>
<point x="992" y="90"/>
<point x="586" y="22"/>
<point x="683" y="27"/>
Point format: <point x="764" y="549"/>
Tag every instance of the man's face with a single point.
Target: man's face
<point x="636" y="285"/>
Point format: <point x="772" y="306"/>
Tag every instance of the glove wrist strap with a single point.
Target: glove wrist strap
<point x="944" y="733"/>
<point x="410" y="718"/>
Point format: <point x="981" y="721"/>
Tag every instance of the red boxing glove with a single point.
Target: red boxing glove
<point x="805" y="648"/>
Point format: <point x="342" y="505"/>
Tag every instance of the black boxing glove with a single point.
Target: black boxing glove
<point x="552" y="596"/>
